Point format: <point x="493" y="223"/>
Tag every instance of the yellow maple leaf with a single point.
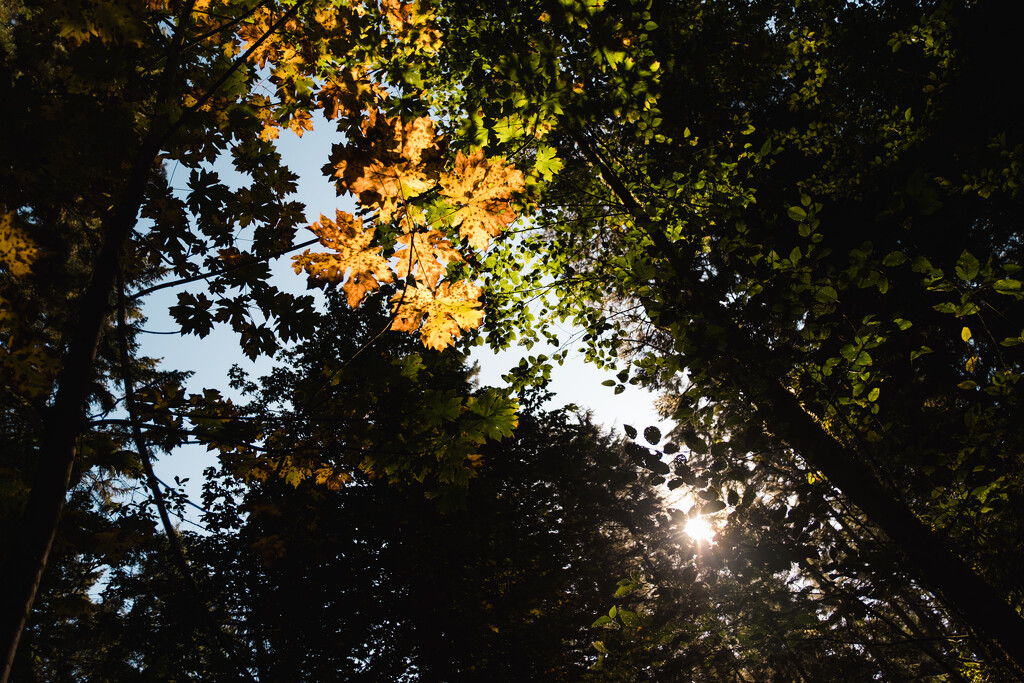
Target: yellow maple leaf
<point x="301" y="121"/>
<point x="326" y="17"/>
<point x="353" y="254"/>
<point x="17" y="251"/>
<point x="388" y="162"/>
<point x="413" y="22"/>
<point x="430" y="250"/>
<point x="253" y="30"/>
<point x="440" y="315"/>
<point x="270" y="131"/>
<point x="483" y="190"/>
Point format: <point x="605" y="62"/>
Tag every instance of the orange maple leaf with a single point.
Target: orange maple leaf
<point x="353" y="254"/>
<point x="448" y="310"/>
<point x="431" y="250"/>
<point x="348" y="92"/>
<point x="301" y="121"/>
<point x="483" y="190"/>
<point x="251" y="32"/>
<point x="413" y="22"/>
<point x="387" y="162"/>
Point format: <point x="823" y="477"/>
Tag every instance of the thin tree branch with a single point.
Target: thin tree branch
<point x="154" y="486"/>
<point x="220" y="271"/>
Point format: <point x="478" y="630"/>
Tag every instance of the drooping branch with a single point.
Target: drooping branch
<point x="228" y="73"/>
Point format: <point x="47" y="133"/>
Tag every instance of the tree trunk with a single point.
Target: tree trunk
<point x="982" y="607"/>
<point x="64" y="424"/>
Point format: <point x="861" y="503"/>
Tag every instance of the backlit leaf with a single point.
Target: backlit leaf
<point x="17" y="251"/>
<point x="353" y="254"/>
<point x="442" y="315"/>
<point x="482" y="190"/>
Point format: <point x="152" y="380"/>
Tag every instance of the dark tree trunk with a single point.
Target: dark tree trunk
<point x="64" y="424"/>
<point x="749" y="369"/>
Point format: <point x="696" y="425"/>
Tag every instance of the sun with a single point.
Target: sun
<point x="700" y="529"/>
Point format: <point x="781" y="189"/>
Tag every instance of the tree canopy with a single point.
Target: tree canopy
<point x="797" y="221"/>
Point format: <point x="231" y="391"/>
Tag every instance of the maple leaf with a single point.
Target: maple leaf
<point x="413" y="22"/>
<point x="347" y="92"/>
<point x="250" y="33"/>
<point x="387" y="162"/>
<point x="231" y="256"/>
<point x="548" y="164"/>
<point x="301" y="121"/>
<point x="26" y="366"/>
<point x="496" y="416"/>
<point x="354" y="254"/>
<point x="431" y="251"/>
<point x="450" y="309"/>
<point x="482" y="190"/>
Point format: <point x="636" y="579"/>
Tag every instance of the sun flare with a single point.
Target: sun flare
<point x="700" y="529"/>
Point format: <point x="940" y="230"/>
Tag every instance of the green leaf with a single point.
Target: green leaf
<point x="1007" y="286"/>
<point x="920" y="352"/>
<point x="826" y="294"/>
<point x="894" y="258"/>
<point x="547" y="164"/>
<point x="497" y="413"/>
<point x="967" y="266"/>
<point x="797" y="213"/>
<point x="696" y="444"/>
<point x="441" y="407"/>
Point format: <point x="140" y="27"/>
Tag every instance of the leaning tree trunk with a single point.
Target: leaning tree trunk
<point x="983" y="608"/>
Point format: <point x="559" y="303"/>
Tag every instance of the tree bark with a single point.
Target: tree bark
<point x="63" y="425"/>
